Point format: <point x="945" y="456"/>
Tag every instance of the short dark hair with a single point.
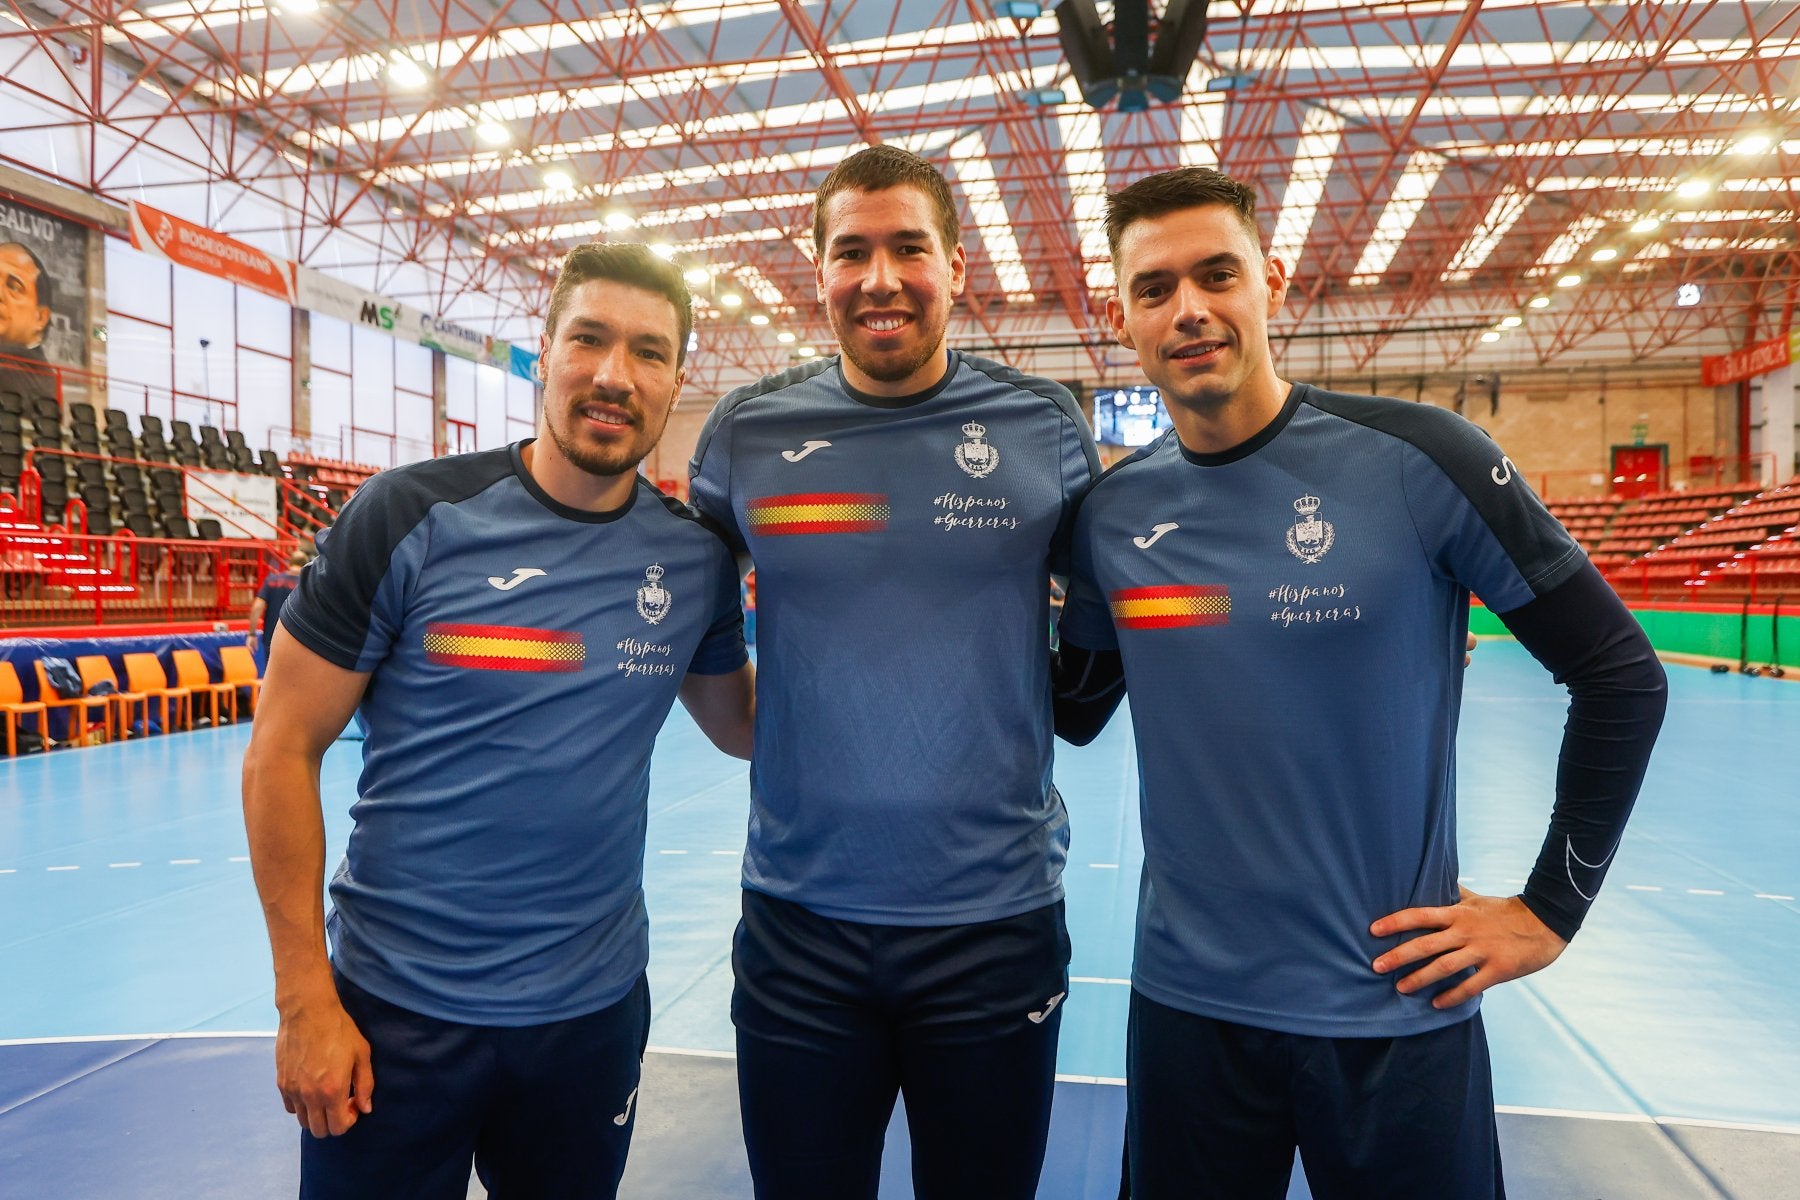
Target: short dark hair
<point x="43" y="277"/>
<point x="1172" y="191"/>
<point x="882" y="167"/>
<point x="630" y="263"/>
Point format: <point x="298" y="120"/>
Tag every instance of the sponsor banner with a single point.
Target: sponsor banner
<point x="167" y="236"/>
<point x="245" y="506"/>
<point x="524" y="363"/>
<point x="323" y="293"/>
<point x="440" y="334"/>
<point x="1751" y="361"/>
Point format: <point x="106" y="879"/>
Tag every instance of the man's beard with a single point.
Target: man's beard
<point x="889" y="369"/>
<point x="608" y="463"/>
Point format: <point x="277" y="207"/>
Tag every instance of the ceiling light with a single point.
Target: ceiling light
<point x="559" y="181"/>
<point x="807" y="352"/>
<point x="1539" y="302"/>
<point x="404" y="72"/>
<point x="662" y="250"/>
<point x="1687" y="295"/>
<point x="1605" y="254"/>
<point x="784" y="337"/>
<point x="758" y="319"/>
<point x="298" y="7"/>
<point x="1694" y="187"/>
<point x="1646" y="225"/>
<point x="730" y="300"/>
<point x="1756" y="143"/>
<point x="493" y="133"/>
<point x="617" y="220"/>
<point x="1569" y="281"/>
<point x="695" y="276"/>
<point x="1490" y="336"/>
<point x="1512" y="322"/>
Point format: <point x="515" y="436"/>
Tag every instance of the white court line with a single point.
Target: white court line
<point x="62" y="868"/>
<point x="1771" y="896"/>
<point x="730" y="853"/>
<point x="1104" y="866"/>
<point x="671" y="851"/>
<point x="239" y="858"/>
<point x="9" y="870"/>
<point x="1641" y="887"/>
<point x="1703" y="892"/>
<point x="1643" y="1119"/>
<point x="117" y="865"/>
<point x="1099" y="979"/>
<point x="134" y="1037"/>
<point x="183" y="862"/>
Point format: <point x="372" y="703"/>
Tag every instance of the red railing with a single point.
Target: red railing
<point x="1750" y="471"/>
<point x="174" y="579"/>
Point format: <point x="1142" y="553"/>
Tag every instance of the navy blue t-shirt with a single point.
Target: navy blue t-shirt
<point x="277" y="588"/>
<point x="1291" y="616"/>
<point x="524" y="656"/>
<point x="903" y="552"/>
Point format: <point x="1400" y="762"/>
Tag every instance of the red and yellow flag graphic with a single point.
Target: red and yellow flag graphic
<point x="504" y="648"/>
<point x="1171" y="606"/>
<point x="819" y="512"/>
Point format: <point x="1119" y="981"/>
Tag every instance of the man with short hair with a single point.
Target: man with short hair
<point x="24" y="317"/>
<point x="515" y="625"/>
<point x="265" y="610"/>
<point x="1284" y="580"/>
<point x="903" y="929"/>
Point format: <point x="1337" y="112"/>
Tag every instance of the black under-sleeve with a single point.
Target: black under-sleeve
<point x="1086" y="688"/>
<point x="1585" y="636"/>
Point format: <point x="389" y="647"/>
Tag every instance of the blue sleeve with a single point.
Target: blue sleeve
<point x="709" y="475"/>
<point x="1086" y="617"/>
<point x="721" y="650"/>
<point x="349" y="604"/>
<point x="1080" y="467"/>
<point x="1479" y="522"/>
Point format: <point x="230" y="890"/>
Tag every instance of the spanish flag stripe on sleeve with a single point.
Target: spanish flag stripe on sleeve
<point x="504" y="648"/>
<point x="818" y="512"/>
<point x="1171" y="606"/>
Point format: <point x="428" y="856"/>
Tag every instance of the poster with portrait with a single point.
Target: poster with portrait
<point x="43" y="298"/>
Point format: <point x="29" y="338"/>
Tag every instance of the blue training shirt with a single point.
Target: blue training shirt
<point x="903" y="551"/>
<point x="524" y="656"/>
<point x="1291" y="616"/>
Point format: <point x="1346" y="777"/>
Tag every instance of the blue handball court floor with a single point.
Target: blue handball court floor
<point x="1658" y="1059"/>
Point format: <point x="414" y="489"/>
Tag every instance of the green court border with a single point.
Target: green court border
<point x="1702" y="630"/>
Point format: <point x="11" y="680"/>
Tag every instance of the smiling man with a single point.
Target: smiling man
<point x="903" y="926"/>
<point x="1291" y="635"/>
<point x="514" y="625"/>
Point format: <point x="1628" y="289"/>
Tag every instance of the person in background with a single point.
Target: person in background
<point x="1283" y="581"/>
<point x="265" y="610"/>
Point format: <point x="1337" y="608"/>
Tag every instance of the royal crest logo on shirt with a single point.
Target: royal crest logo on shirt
<point x="653" y="599"/>
<point x="1170" y="606"/>
<point x="817" y="512"/>
<point x="1309" y="538"/>
<point x="504" y="647"/>
<point x="976" y="454"/>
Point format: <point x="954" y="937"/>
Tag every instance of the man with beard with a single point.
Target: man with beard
<point x="1285" y="579"/>
<point x="903" y="929"/>
<point x="24" y="318"/>
<point x="515" y="625"/>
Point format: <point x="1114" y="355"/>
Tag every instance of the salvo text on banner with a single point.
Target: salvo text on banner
<point x="322" y="293"/>
<point x="1751" y="361"/>
<point x="168" y="236"/>
<point x="245" y="506"/>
